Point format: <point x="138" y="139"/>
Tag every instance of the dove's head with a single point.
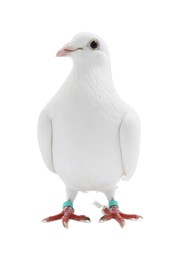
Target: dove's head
<point x="86" y="48"/>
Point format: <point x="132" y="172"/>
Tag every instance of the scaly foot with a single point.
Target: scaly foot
<point x="66" y="215"/>
<point x="114" y="212"/>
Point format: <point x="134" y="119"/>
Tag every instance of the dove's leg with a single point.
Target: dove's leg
<point x="113" y="210"/>
<point x="68" y="211"/>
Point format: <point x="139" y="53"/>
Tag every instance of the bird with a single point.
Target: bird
<point x="87" y="134"/>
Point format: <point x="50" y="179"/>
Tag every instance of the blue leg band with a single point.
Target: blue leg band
<point x="113" y="203"/>
<point x="68" y="203"/>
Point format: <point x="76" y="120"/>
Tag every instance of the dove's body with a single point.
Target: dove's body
<point x="87" y="134"/>
<point x="86" y="115"/>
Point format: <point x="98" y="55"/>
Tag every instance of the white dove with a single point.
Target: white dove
<point x="87" y="134"/>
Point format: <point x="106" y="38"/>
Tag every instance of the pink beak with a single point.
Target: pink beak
<point x="66" y="50"/>
<point x="63" y="52"/>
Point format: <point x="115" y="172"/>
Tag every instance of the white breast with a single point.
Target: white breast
<point x="86" y="146"/>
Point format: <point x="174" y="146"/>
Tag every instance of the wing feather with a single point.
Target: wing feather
<point x="129" y="143"/>
<point x="45" y="139"/>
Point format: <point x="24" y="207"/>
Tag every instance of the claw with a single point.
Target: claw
<point x="87" y="219"/>
<point x="120" y="220"/>
<point x="105" y="218"/>
<point x="45" y="220"/>
<point x="65" y="224"/>
<point x="101" y="219"/>
<point x="123" y="224"/>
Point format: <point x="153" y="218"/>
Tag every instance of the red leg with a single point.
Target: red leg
<point x="113" y="212"/>
<point x="66" y="215"/>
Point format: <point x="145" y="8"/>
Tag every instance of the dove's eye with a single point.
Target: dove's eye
<point x="94" y="44"/>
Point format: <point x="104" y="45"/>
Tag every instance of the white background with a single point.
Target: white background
<point x="144" y="42"/>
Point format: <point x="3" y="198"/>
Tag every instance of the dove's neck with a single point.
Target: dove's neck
<point x="95" y="76"/>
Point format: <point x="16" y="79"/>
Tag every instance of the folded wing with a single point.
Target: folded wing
<point x="45" y="139"/>
<point x="129" y="143"/>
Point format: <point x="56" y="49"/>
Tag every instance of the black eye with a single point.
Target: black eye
<point x="94" y="44"/>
